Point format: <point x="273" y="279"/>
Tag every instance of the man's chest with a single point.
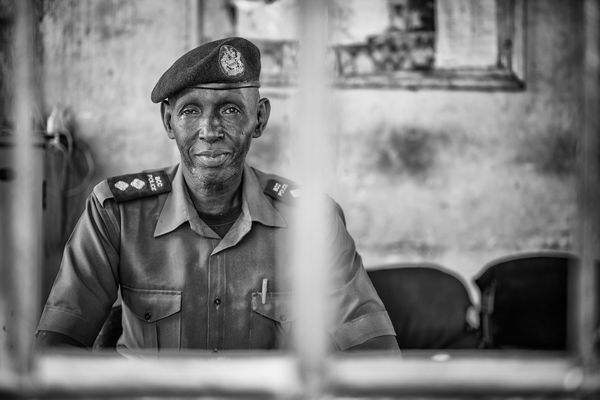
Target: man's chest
<point x="202" y="298"/>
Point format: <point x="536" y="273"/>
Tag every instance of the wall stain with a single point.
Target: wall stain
<point x="114" y="19"/>
<point x="552" y="152"/>
<point x="408" y="151"/>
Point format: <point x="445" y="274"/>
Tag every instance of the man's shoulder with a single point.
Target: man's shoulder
<point x="287" y="191"/>
<point x="277" y="187"/>
<point x="139" y="185"/>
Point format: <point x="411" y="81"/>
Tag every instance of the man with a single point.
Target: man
<point x="198" y="251"/>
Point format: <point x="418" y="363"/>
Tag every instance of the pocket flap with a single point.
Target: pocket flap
<point x="276" y="307"/>
<point x="151" y="305"/>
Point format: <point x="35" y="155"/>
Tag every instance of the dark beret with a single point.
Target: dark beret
<point x="223" y="64"/>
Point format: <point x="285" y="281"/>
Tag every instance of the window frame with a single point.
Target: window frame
<point x="73" y="374"/>
<point x="507" y="75"/>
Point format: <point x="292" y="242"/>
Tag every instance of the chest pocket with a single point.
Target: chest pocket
<point x="151" y="318"/>
<point x="271" y="322"/>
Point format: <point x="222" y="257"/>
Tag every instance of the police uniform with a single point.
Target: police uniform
<point x="181" y="284"/>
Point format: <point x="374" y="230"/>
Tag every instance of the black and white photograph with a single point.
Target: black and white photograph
<point x="299" y="199"/>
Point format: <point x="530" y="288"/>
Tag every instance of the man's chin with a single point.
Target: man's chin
<point x="212" y="176"/>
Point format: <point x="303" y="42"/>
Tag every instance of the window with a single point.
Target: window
<point x="465" y="44"/>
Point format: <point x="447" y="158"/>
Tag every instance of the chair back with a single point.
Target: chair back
<point x="524" y="301"/>
<point x="427" y="304"/>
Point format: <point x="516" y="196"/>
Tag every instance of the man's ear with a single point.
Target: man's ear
<point x="264" y="110"/>
<point x="165" y="111"/>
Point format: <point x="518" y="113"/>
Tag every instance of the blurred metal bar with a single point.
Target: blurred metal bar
<point x="312" y="158"/>
<point x="586" y="288"/>
<point x="261" y="375"/>
<point x="271" y="375"/>
<point x="19" y="296"/>
<point x="469" y="373"/>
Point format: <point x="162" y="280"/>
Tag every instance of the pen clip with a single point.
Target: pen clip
<point x="263" y="293"/>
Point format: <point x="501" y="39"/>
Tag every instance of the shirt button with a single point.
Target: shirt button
<point x="217" y="301"/>
<point x="147" y="316"/>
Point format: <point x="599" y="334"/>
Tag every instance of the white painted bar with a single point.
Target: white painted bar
<point x="19" y="297"/>
<point x="75" y="375"/>
<point x="270" y="375"/>
<point x="311" y="158"/>
<point x="467" y="374"/>
<point x="586" y="294"/>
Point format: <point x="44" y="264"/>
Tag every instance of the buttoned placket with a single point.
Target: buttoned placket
<point x="215" y="305"/>
<point x="219" y="302"/>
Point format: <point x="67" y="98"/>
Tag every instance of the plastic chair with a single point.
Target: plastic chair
<point x="428" y="306"/>
<point x="524" y="301"/>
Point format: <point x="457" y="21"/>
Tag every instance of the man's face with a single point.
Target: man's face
<point x="213" y="130"/>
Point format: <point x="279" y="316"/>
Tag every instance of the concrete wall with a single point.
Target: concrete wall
<point x="101" y="61"/>
<point x="451" y="177"/>
<point x="462" y="177"/>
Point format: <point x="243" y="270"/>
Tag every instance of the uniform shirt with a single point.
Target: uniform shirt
<point x="182" y="286"/>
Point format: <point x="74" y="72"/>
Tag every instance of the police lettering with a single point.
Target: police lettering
<point x="280" y="188"/>
<point x="283" y="189"/>
<point x="155" y="182"/>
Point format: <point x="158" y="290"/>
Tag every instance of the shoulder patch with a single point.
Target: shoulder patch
<point x="282" y="191"/>
<point x="140" y="185"/>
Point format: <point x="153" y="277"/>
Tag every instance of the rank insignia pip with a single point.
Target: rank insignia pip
<point x="137" y="186"/>
<point x="282" y="191"/>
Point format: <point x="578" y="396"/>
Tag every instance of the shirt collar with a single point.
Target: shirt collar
<point x="178" y="207"/>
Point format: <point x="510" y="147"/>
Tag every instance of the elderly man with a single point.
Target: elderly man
<point x="198" y="252"/>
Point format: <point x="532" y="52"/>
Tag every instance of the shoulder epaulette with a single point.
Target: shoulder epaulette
<point x="282" y="191"/>
<point x="140" y="185"/>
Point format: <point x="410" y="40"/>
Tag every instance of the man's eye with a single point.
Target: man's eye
<point x="231" y="110"/>
<point x="189" y="111"/>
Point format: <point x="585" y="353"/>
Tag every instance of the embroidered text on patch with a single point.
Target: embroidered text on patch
<point x="230" y="60"/>
<point x="282" y="191"/>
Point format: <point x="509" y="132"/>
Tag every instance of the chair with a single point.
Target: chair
<point x="427" y="304"/>
<point x="524" y="301"/>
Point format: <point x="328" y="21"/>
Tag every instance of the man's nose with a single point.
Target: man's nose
<point x="210" y="130"/>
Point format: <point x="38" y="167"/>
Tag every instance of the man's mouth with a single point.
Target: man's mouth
<point x="213" y="158"/>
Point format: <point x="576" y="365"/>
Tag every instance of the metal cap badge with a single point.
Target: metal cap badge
<point x="230" y="61"/>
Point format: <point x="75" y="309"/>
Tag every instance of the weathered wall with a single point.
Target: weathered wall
<point x="451" y="177"/>
<point x="101" y="61"/>
<point x="462" y="177"/>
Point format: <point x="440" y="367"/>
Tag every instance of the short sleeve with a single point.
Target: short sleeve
<point x="359" y="312"/>
<point x="86" y="285"/>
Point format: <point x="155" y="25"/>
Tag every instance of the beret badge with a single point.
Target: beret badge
<point x="230" y="61"/>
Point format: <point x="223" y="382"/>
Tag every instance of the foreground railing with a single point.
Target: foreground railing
<point x="275" y="375"/>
